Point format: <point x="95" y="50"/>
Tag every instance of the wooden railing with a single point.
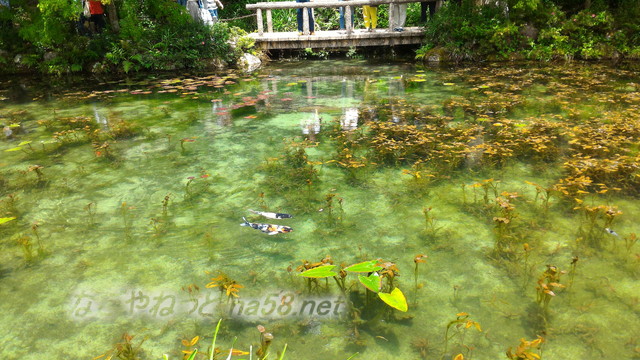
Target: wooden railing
<point x="348" y="13"/>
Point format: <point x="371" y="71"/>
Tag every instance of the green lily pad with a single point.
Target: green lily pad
<point x="319" y="272"/>
<point x="372" y="282"/>
<point x="6" y="219"/>
<point x="395" y="299"/>
<point x="367" y="266"/>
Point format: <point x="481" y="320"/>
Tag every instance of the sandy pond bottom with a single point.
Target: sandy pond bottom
<point x="144" y="183"/>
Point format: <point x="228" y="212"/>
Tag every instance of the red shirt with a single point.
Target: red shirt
<point x="95" y="7"/>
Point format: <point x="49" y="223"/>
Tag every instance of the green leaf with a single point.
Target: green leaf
<point x="395" y="299"/>
<point x="6" y="219"/>
<point x="193" y="355"/>
<point x="319" y="272"/>
<point x="372" y="282"/>
<point x="14" y="149"/>
<point x="24" y="143"/>
<point x="367" y="266"/>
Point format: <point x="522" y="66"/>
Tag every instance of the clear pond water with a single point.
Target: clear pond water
<point x="122" y="199"/>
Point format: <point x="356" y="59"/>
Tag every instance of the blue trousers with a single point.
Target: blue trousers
<point x="342" y="21"/>
<point x="311" y="22"/>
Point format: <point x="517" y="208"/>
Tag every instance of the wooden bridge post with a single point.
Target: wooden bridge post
<point x="269" y="21"/>
<point x="305" y="20"/>
<point x="348" y="15"/>
<point x="259" y="21"/>
<point x="392" y="10"/>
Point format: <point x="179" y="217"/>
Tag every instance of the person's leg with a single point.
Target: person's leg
<point x="401" y="15"/>
<point x="312" y="22"/>
<point x="374" y="17"/>
<point x="366" y="15"/>
<point x="342" y="24"/>
<point x="393" y="16"/>
<point x="423" y="11"/>
<point x="299" y="16"/>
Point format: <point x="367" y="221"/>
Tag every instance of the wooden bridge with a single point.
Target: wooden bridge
<point x="349" y="37"/>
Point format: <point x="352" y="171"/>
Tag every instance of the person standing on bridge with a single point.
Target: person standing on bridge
<point x="342" y="21"/>
<point x="212" y="6"/>
<point x="301" y="19"/>
<point x="424" y="5"/>
<point x="370" y="14"/>
<point x="398" y="16"/>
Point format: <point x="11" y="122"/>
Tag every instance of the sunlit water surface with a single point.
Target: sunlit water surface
<point x="114" y="227"/>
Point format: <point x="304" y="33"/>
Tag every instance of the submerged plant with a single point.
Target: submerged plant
<point x="91" y="209"/>
<point x="228" y="287"/>
<point x="460" y="324"/>
<point x="265" y="342"/>
<point x="418" y="259"/>
<point x="548" y="285"/>
<point x="124" y="350"/>
<point x="525" y="351"/>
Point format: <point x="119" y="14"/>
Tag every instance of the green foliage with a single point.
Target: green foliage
<point x="535" y="29"/>
<point x="153" y="35"/>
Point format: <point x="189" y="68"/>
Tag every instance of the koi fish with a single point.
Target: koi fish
<point x="611" y="232"/>
<point x="267" y="228"/>
<point x="270" y="215"/>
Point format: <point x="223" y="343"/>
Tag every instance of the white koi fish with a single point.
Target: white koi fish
<point x="611" y="232"/>
<point x="270" y="215"/>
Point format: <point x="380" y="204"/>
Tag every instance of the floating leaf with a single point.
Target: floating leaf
<point x="367" y="266"/>
<point x="372" y="282"/>
<point x="395" y="299"/>
<point x="6" y="219"/>
<point x="14" y="149"/>
<point x="24" y="143"/>
<point x="319" y="272"/>
<point x="448" y="84"/>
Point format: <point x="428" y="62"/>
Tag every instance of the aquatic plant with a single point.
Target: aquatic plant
<point x="547" y="286"/>
<point x="227" y="286"/>
<point x="418" y="259"/>
<point x="91" y="210"/>
<point x="460" y="324"/>
<point x="124" y="350"/>
<point x="265" y="342"/>
<point x="27" y="248"/>
<point x="34" y="230"/>
<point x="38" y="170"/>
<point x="125" y="211"/>
<point x="544" y="194"/>
<point x="333" y="217"/>
<point x="185" y="140"/>
<point x="6" y="219"/>
<point x="595" y="221"/>
<point x="165" y="204"/>
<point x="572" y="270"/>
<point x="422" y="346"/>
<point x="192" y="290"/>
<point x="189" y="346"/>
<point x="525" y="351"/>
<point x="629" y="241"/>
<point x="380" y="279"/>
<point x="103" y="150"/>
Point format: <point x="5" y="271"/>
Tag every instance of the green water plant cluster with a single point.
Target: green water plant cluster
<point x="378" y="278"/>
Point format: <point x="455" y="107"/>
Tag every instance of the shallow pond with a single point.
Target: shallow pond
<point x="121" y="200"/>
